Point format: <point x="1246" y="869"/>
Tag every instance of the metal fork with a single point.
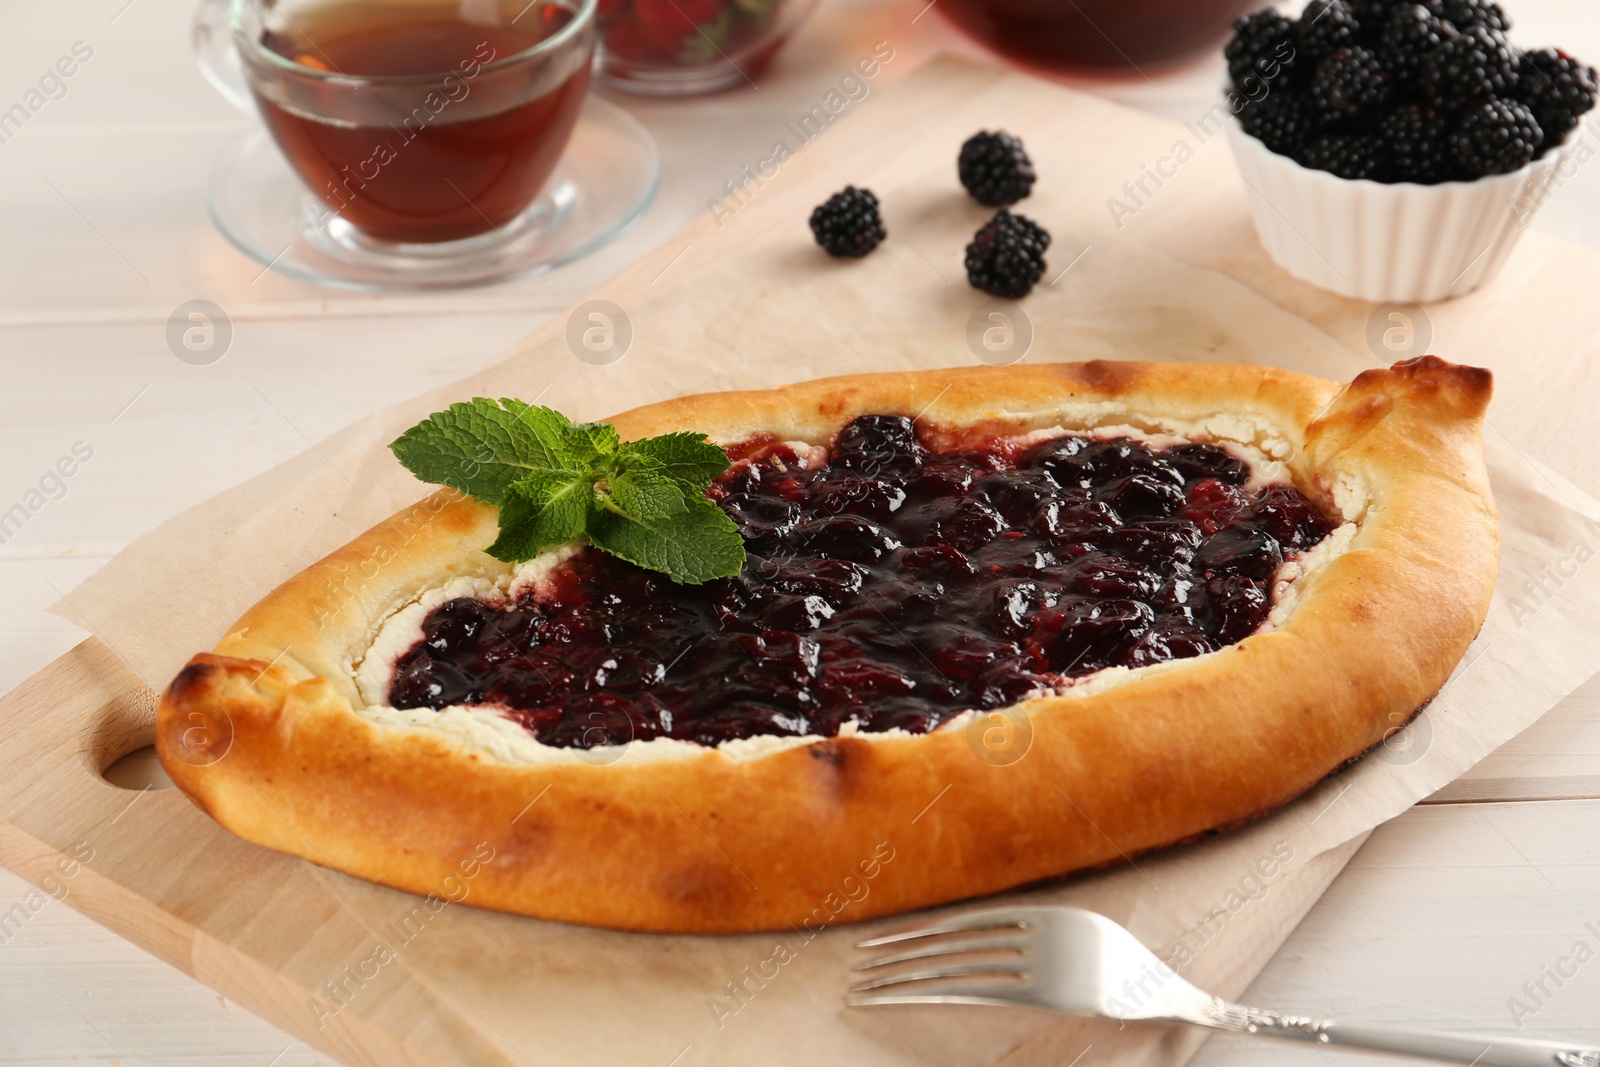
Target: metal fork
<point x="1079" y="963"/>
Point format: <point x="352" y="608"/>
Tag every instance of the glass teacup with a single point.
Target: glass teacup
<point x="414" y="121"/>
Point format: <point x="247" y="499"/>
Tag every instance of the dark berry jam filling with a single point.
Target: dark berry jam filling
<point x="893" y="585"/>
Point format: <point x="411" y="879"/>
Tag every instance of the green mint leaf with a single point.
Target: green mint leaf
<point x="542" y="510"/>
<point x="694" y="546"/>
<point x="582" y="443"/>
<point x="594" y="440"/>
<point x="481" y="447"/>
<point x="687" y="458"/>
<point x="646" y="495"/>
<point x="555" y="480"/>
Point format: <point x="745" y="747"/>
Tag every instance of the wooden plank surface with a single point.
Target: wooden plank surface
<point x="1464" y="917"/>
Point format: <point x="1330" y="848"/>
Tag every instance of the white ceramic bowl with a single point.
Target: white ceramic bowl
<point x="1404" y="241"/>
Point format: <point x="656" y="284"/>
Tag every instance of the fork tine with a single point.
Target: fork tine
<point x="1014" y="943"/>
<point x="952" y="970"/>
<point x="972" y="921"/>
<point x="995" y="995"/>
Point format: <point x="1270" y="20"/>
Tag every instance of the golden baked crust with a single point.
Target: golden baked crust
<point x="264" y="733"/>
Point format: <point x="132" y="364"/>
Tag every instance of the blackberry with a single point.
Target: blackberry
<point x="1495" y="137"/>
<point x="1345" y="155"/>
<point x="1558" y="90"/>
<point x="1351" y="86"/>
<point x="995" y="169"/>
<point x="1262" y="50"/>
<point x="1477" y="64"/>
<point x="848" y="224"/>
<point x="1411" y="32"/>
<point x="1370" y="13"/>
<point x="1324" y="27"/>
<point x="1466" y="14"/>
<point x="1281" y="121"/>
<point x="1006" y="257"/>
<point x="1416" y="137"/>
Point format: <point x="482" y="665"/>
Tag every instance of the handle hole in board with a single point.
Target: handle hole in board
<point x="119" y="745"/>
<point x="138" y="770"/>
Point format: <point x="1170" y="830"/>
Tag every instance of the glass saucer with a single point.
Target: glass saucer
<point x="604" y="181"/>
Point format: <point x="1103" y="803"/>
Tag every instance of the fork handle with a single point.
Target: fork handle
<point x="1482" y="1051"/>
<point x="1485" y="1050"/>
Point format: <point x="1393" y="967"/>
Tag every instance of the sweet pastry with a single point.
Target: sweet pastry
<point x="994" y="625"/>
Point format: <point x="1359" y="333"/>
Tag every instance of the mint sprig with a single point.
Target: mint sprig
<point x="556" y="480"/>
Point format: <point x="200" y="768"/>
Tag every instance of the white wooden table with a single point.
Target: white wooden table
<point x="1463" y="909"/>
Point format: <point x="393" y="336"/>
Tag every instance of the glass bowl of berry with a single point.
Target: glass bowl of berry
<point x="1396" y="149"/>
<point x="678" y="47"/>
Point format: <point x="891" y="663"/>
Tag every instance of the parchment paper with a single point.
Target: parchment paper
<point x="748" y="301"/>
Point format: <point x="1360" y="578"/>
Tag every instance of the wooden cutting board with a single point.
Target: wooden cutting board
<point x="300" y="945"/>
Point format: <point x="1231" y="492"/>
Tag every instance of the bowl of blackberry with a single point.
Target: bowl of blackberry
<point x="1396" y="150"/>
